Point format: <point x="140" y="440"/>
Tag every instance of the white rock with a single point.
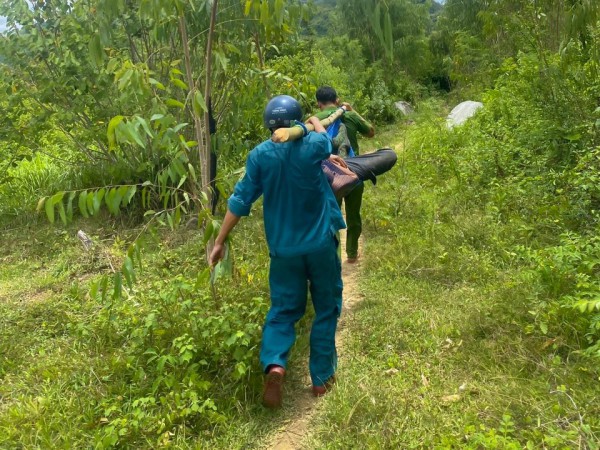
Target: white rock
<point x="404" y="107"/>
<point x="462" y="112"/>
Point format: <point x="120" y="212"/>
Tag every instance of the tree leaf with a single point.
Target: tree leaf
<point x="145" y="126"/>
<point x="103" y="286"/>
<point x="157" y="83"/>
<point x="128" y="271"/>
<point x="174" y="103"/>
<point x="199" y="104"/>
<point x="89" y="201"/>
<point x="40" y="204"/>
<point x="192" y="172"/>
<point x="97" y="200"/>
<point x="61" y="212"/>
<point x="111" y="131"/>
<point x="50" y="210"/>
<point x="208" y="232"/>
<point x="129" y="195"/>
<point x="118" y="286"/>
<point x="96" y="51"/>
<point x="70" y="206"/>
<point x="82" y="204"/>
<point x="131" y="131"/>
<point x="180" y="84"/>
<point x="247" y="7"/>
<point x="203" y="277"/>
<point x="389" y="44"/>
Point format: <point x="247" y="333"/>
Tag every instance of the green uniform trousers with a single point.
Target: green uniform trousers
<point x="353" y="202"/>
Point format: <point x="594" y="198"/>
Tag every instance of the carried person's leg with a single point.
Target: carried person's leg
<point x="325" y="275"/>
<point x="353" y="203"/>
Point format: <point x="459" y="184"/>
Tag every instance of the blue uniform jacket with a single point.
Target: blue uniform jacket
<point x="301" y="214"/>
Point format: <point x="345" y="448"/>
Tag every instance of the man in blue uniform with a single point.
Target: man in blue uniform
<point x="301" y="218"/>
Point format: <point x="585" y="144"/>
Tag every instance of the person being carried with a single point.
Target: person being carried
<point x="301" y="219"/>
<point x="328" y="102"/>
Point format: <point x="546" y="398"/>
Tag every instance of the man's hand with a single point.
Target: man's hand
<point x="336" y="159"/>
<point x="348" y="106"/>
<point x="316" y="123"/>
<point x="217" y="254"/>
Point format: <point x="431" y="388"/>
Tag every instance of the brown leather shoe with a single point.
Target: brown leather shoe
<point x="273" y="390"/>
<point x="320" y="391"/>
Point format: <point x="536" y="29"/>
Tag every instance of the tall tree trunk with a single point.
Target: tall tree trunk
<point x="205" y="162"/>
<point x="190" y="81"/>
<point x="261" y="63"/>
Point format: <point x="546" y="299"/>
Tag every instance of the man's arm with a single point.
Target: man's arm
<point x="364" y="127"/>
<point x="315" y="122"/>
<point x="218" y="252"/>
<point x="321" y="129"/>
<point x="244" y="195"/>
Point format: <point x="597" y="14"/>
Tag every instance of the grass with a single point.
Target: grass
<point x="439" y="353"/>
<point x="73" y="367"/>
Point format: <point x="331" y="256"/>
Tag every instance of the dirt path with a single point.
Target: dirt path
<point x="295" y="429"/>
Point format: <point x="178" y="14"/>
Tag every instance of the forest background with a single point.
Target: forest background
<point x="107" y="109"/>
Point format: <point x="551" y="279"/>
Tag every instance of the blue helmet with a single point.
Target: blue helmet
<point x="281" y="111"/>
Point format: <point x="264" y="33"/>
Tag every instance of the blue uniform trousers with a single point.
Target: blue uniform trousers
<point x="288" y="283"/>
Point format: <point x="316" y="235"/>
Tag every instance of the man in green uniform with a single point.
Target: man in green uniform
<point x="328" y="103"/>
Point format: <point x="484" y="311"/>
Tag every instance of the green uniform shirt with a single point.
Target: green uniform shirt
<point x="354" y="124"/>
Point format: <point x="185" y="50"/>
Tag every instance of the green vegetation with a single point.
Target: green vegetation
<point x="459" y="342"/>
<point x="480" y="326"/>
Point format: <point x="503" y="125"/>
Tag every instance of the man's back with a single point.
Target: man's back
<point x="354" y="124"/>
<point x="300" y="211"/>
